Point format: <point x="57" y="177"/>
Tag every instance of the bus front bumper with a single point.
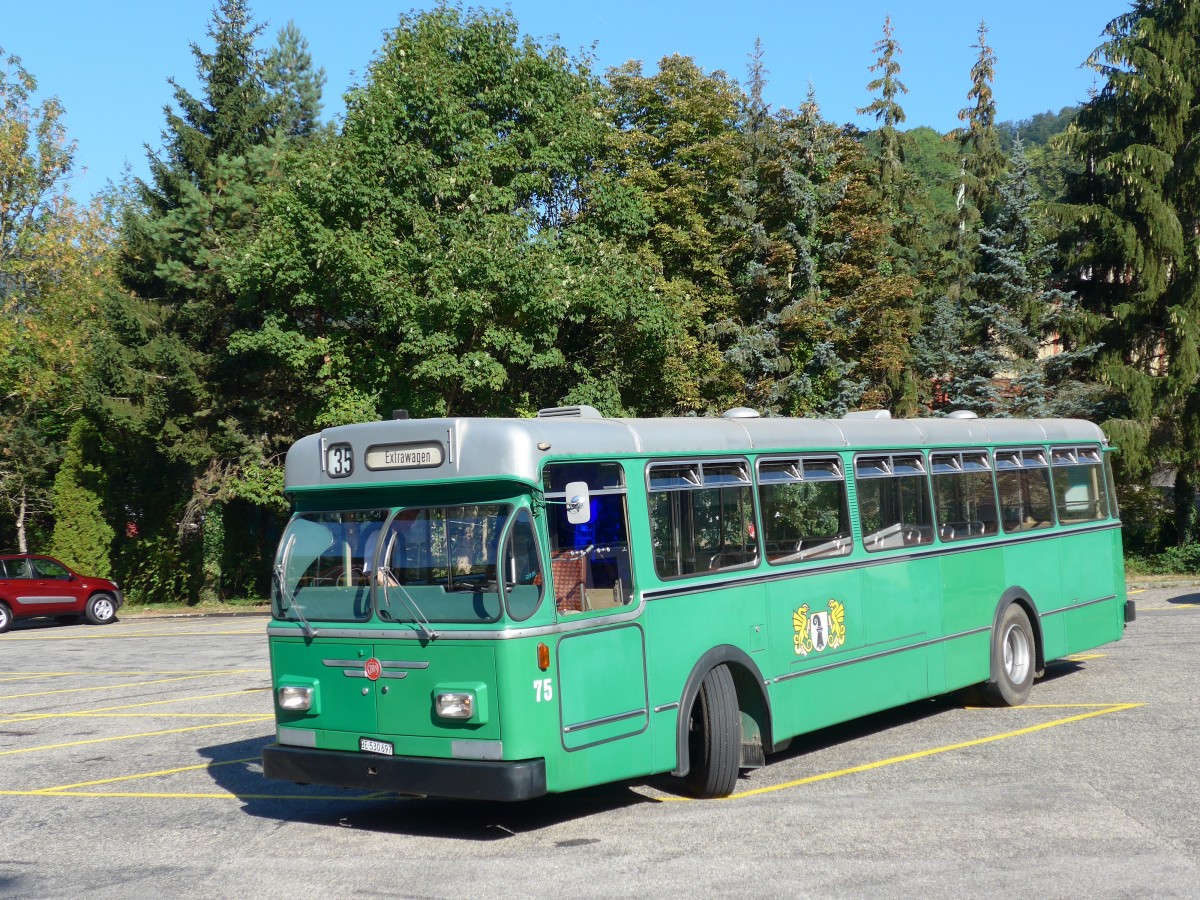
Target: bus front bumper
<point x="461" y="779"/>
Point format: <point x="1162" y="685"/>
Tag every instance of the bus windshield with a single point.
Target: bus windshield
<point x="322" y="563"/>
<point x="420" y="565"/>
<point x="439" y="564"/>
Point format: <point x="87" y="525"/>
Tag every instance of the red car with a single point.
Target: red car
<point x="40" y="586"/>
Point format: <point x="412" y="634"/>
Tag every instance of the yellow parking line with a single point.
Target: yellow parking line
<point x="921" y="754"/>
<point x="152" y="715"/>
<point x="71" y="790"/>
<point x="211" y="765"/>
<point x="1084" y="657"/>
<point x="1165" y="608"/>
<point x="1015" y="709"/>
<point x="248" y="720"/>
<point x="113" y="687"/>
<point x="123" y="635"/>
<point x="223" y="795"/>
<point x="29" y="717"/>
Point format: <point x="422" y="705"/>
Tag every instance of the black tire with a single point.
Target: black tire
<point x="6" y="618"/>
<point x="1014" y="659"/>
<point x="714" y="737"/>
<point x="101" y="609"/>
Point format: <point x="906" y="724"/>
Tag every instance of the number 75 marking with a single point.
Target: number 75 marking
<point x="543" y="689"/>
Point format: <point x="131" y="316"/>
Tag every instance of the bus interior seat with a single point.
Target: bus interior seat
<point x="886" y="538"/>
<point x="568" y="568"/>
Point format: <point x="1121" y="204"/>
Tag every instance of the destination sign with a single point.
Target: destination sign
<point x="405" y="456"/>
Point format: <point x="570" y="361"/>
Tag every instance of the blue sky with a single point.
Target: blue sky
<point x="109" y="62"/>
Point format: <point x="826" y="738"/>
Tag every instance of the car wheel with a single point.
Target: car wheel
<point x="6" y="618"/>
<point x="101" y="609"/>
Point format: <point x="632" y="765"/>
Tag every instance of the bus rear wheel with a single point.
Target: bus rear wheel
<point x="1014" y="659"/>
<point x="714" y="737"/>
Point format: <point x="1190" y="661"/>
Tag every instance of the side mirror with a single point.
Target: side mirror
<point x="579" y="504"/>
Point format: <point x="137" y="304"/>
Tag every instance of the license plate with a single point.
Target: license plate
<point x="384" y="748"/>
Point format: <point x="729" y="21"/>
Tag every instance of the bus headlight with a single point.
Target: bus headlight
<point x="294" y="698"/>
<point x="454" y="705"/>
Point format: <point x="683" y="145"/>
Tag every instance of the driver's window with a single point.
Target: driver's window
<point x="589" y="561"/>
<point x="522" y="569"/>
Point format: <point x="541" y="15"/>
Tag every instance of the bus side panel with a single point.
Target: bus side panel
<point x="602" y="697"/>
<point x="972" y="583"/>
<point x="1035" y="566"/>
<point x="902" y="608"/>
<point x="1091" y="625"/>
<point x="791" y="603"/>
<point x="680" y="630"/>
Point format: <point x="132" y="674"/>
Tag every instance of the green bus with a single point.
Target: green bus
<point x="503" y="608"/>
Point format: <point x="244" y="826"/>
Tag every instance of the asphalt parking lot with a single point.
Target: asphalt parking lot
<point x="129" y="767"/>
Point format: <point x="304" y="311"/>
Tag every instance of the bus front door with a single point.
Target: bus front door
<point x="604" y="702"/>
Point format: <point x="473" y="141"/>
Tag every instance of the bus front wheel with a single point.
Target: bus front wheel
<point x="714" y="737"/>
<point x="1014" y="658"/>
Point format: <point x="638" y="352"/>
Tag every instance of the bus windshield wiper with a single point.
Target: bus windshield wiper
<point x="409" y="602"/>
<point x="287" y="595"/>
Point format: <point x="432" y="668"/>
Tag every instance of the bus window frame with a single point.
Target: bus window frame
<point x="538" y="554"/>
<point x="628" y="600"/>
<point x="284" y="549"/>
<point x="890" y="454"/>
<point x="511" y="505"/>
<point x="960" y="453"/>
<point x="750" y="483"/>
<point x="1081" y="456"/>
<point x="844" y="544"/>
<point x="1021" y="452"/>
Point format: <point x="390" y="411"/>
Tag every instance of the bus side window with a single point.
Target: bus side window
<point x="1079" y="485"/>
<point x="589" y="562"/>
<point x="521" y="569"/>
<point x="1023" y="481"/>
<point x="804" y="512"/>
<point x="964" y="497"/>
<point x="701" y="517"/>
<point x="893" y="501"/>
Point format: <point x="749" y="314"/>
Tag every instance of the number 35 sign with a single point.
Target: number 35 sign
<point x="339" y="461"/>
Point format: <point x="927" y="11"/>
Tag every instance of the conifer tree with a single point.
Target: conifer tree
<point x="979" y="142"/>
<point x="177" y="377"/>
<point x="886" y="106"/>
<point x="289" y="75"/>
<point x="1019" y="355"/>
<point x="1135" y="238"/>
<point x="783" y="191"/>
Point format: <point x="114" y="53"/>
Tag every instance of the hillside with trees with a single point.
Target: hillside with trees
<point x="495" y="226"/>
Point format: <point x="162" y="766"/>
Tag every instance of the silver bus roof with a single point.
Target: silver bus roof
<point x="513" y="449"/>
